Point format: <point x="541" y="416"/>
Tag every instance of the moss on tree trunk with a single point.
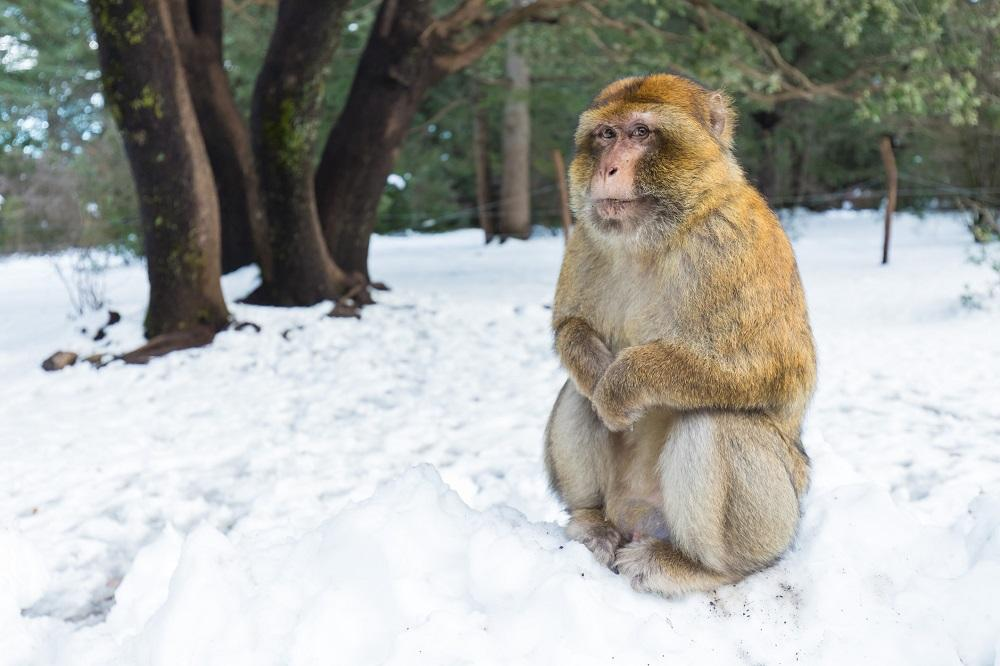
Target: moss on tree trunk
<point x="285" y="121"/>
<point x="198" y="27"/>
<point x="145" y="89"/>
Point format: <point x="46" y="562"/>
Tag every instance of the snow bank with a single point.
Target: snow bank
<point x="22" y="581"/>
<point x="225" y="488"/>
<point x="414" y="575"/>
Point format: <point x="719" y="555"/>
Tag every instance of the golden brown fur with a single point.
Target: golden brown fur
<point x="680" y="318"/>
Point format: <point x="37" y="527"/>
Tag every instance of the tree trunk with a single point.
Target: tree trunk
<point x="481" y="157"/>
<point x="198" y="26"/>
<point x="391" y="81"/>
<point x="515" y="188"/>
<point x="145" y="90"/>
<point x="285" y="118"/>
<point x="408" y="51"/>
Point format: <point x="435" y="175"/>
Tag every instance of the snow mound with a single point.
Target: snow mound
<point x="23" y="579"/>
<point x="414" y="575"/>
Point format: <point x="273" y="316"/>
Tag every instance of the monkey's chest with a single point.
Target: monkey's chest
<point x="625" y="318"/>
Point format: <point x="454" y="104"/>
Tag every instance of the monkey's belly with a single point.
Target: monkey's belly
<point x="634" y="502"/>
<point x="637" y="518"/>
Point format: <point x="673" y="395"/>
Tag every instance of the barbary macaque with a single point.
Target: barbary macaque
<point x="680" y="318"/>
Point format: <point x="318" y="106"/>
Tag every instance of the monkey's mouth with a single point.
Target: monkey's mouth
<point x="611" y="209"/>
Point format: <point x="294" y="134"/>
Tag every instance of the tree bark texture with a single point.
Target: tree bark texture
<point x="392" y="79"/>
<point x="285" y="120"/>
<point x="408" y="51"/>
<point x="198" y="27"/>
<point x="515" y="187"/>
<point x="145" y="90"/>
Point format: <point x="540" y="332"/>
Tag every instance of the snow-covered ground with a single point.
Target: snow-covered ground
<point x="372" y="492"/>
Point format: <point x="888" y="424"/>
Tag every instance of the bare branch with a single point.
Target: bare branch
<point x="630" y="25"/>
<point x="604" y="48"/>
<point x="462" y="55"/>
<point x="795" y="83"/>
<point x="438" y="115"/>
<point x="455" y="21"/>
<point x="604" y="19"/>
<point x="767" y="48"/>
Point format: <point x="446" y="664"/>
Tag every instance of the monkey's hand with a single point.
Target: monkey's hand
<point x="617" y="398"/>
<point x="583" y="354"/>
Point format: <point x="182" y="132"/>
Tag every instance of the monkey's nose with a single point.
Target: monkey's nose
<point x="612" y="171"/>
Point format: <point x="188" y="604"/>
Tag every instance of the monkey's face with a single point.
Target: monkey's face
<point x="642" y="153"/>
<point x="622" y="148"/>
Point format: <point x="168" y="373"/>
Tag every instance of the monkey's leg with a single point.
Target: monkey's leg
<point x="578" y="460"/>
<point x="658" y="566"/>
<point x="728" y="500"/>
<point x="593" y="530"/>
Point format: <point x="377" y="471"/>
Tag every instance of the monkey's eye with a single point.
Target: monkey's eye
<point x="640" y="132"/>
<point x="607" y="133"/>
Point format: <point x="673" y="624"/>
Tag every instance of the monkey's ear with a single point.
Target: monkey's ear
<point x="720" y="117"/>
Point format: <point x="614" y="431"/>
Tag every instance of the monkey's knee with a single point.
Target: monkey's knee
<point x="577" y="451"/>
<point x="729" y="500"/>
<point x="763" y="513"/>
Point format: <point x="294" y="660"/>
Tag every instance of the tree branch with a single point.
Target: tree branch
<point x="630" y="25"/>
<point x="461" y="55"/>
<point x="795" y="84"/>
<point x="438" y="115"/>
<point x="458" y="19"/>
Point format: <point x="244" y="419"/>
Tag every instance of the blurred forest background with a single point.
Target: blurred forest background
<point x="437" y="115"/>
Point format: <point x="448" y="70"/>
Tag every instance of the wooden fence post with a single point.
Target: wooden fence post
<point x="891" y="177"/>
<point x="567" y="220"/>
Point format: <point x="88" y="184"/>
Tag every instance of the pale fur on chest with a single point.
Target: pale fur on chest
<point x="639" y="299"/>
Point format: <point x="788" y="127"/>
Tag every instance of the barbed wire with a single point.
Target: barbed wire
<point x="954" y="197"/>
<point x="861" y="190"/>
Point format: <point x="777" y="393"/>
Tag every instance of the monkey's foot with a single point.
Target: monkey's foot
<point x="596" y="533"/>
<point x="637" y="561"/>
<point x="652" y="565"/>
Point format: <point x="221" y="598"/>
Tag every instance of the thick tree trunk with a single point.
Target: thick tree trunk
<point x="408" y="51"/>
<point x="198" y="27"/>
<point x="285" y="122"/>
<point x="146" y="92"/>
<point x="515" y="188"/>
<point x="391" y="80"/>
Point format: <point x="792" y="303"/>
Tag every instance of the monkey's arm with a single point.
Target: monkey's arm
<point x="673" y="375"/>
<point x="582" y="352"/>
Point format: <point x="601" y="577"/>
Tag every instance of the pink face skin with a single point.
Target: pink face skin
<point x="613" y="190"/>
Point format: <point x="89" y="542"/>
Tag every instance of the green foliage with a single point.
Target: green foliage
<point x="49" y="87"/>
<point x="816" y="82"/>
<point x="76" y="199"/>
<point x="979" y="299"/>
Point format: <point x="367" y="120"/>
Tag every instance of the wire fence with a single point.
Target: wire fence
<point x="862" y="195"/>
<point x="63" y="221"/>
